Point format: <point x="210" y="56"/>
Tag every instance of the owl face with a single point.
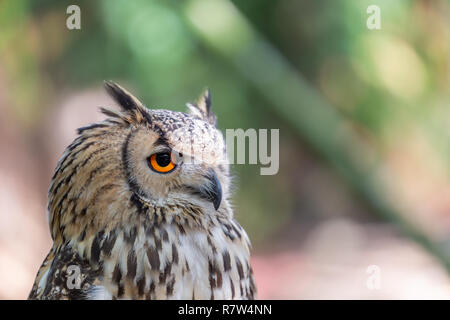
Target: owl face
<point x="176" y="158"/>
<point x="173" y="157"/>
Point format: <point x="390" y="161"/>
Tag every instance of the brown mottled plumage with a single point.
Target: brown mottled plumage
<point x="134" y="232"/>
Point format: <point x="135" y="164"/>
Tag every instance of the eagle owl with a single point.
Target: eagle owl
<point x="138" y="208"/>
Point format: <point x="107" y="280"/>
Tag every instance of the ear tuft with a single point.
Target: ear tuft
<point x="204" y="101"/>
<point x="202" y="108"/>
<point x="125" y="99"/>
<point x="133" y="109"/>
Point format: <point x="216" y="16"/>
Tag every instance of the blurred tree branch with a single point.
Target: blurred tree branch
<point x="224" y="30"/>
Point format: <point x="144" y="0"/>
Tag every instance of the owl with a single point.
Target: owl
<point x="138" y="208"/>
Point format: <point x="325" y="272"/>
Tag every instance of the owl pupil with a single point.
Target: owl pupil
<point x="163" y="159"/>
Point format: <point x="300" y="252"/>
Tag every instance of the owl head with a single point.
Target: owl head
<point x="140" y="159"/>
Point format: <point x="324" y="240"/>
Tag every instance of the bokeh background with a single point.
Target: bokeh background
<point x="364" y="119"/>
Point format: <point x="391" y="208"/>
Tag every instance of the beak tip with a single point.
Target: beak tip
<point x="217" y="204"/>
<point x="217" y="190"/>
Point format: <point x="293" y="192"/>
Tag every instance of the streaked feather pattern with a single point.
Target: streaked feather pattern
<point x="135" y="234"/>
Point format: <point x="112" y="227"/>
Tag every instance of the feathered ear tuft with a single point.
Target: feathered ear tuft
<point x="133" y="110"/>
<point x="202" y="108"/>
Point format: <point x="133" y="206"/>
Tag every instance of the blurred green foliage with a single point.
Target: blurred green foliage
<point x="310" y="68"/>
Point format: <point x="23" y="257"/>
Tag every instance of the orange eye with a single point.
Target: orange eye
<point x="161" y="162"/>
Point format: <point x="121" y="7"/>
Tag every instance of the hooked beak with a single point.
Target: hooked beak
<point x="212" y="190"/>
